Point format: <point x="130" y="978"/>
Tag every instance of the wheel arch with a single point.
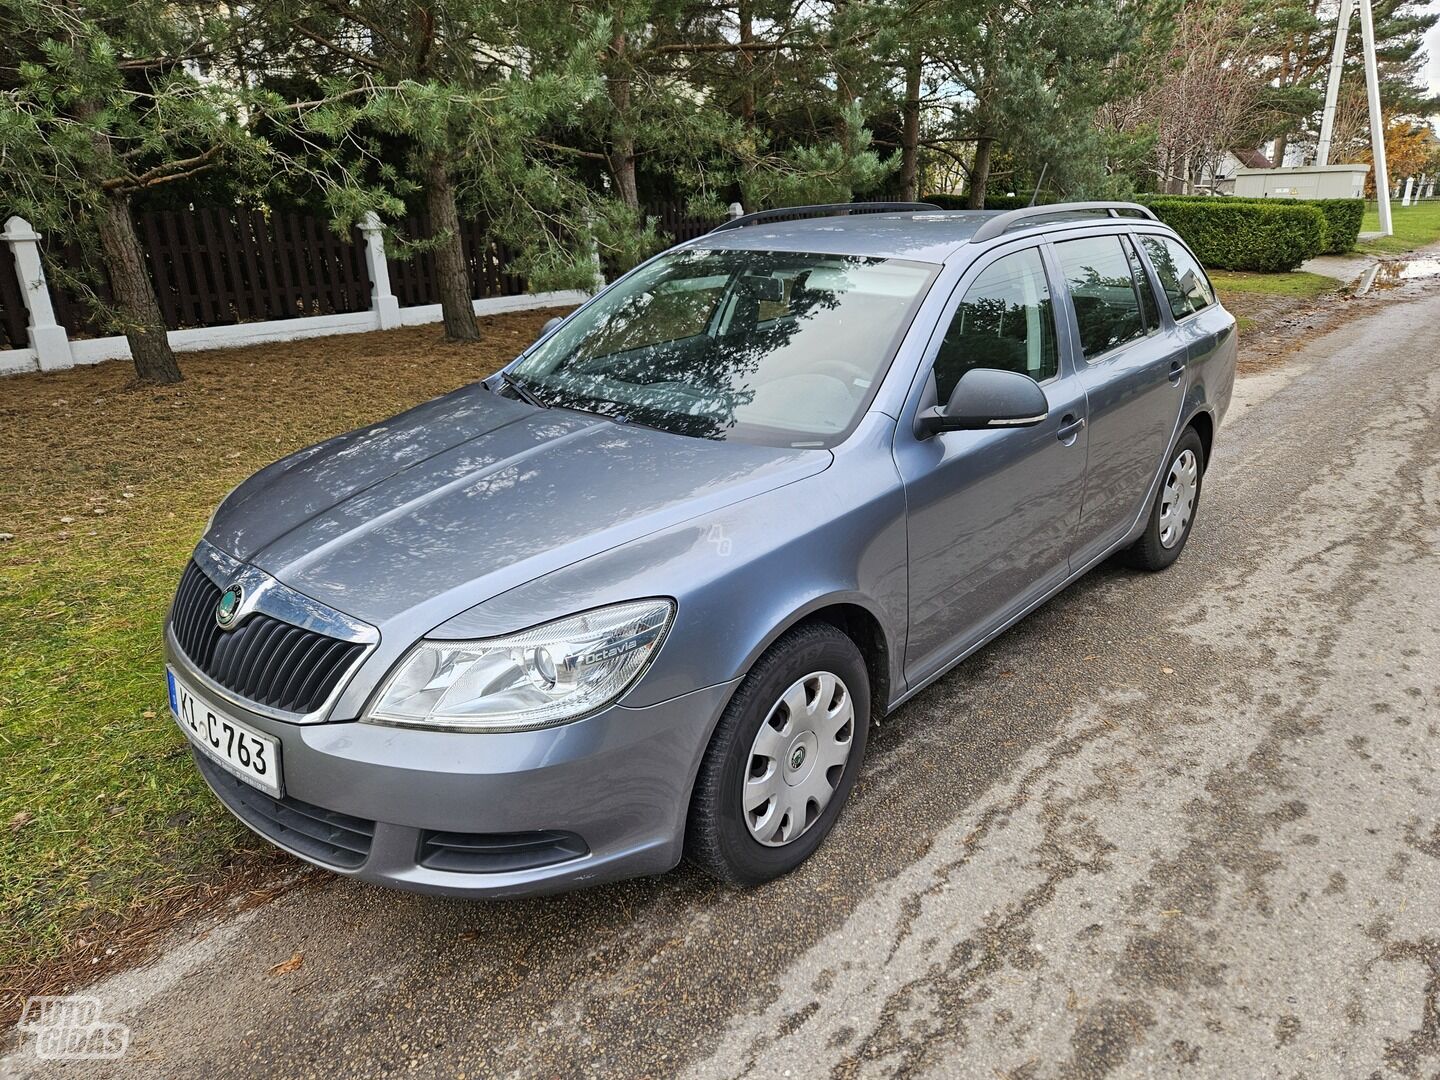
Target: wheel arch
<point x="857" y="620"/>
<point x="1204" y="425"/>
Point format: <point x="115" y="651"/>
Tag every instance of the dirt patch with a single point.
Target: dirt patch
<point x="1274" y="327"/>
<point x="76" y="440"/>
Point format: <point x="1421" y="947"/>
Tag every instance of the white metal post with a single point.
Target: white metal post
<point x="1332" y="88"/>
<point x="47" y="337"/>
<point x="1377" y="122"/>
<point x="382" y="301"/>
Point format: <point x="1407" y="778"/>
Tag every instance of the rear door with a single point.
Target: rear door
<point x="1132" y="363"/>
<point x="990" y="513"/>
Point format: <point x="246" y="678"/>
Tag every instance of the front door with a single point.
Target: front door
<point x="1133" y="370"/>
<point x="990" y="513"/>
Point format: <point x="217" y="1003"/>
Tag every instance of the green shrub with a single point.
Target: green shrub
<point x="1342" y="216"/>
<point x="1240" y="234"/>
<point x="1342" y="223"/>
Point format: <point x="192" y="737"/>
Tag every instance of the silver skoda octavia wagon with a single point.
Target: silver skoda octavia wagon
<point x="642" y="593"/>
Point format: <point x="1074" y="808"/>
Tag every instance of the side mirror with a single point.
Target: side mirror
<point x="987" y="398"/>
<point x="550" y="324"/>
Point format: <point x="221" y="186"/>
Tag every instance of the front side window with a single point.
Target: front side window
<point x="778" y="348"/>
<point x="1185" y="284"/>
<point x="1006" y="321"/>
<point x="1102" y="289"/>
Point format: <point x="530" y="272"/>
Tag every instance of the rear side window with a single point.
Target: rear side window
<point x="1102" y="288"/>
<point x="1186" y="287"/>
<point x="1006" y="321"/>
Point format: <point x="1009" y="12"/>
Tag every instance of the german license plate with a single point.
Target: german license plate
<point x="247" y="754"/>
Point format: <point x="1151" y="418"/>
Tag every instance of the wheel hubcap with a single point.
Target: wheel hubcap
<point x="1177" y="500"/>
<point x="797" y="759"/>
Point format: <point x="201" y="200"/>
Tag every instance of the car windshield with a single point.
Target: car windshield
<point x="779" y="348"/>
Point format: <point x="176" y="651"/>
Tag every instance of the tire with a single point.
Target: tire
<point x="1182" y="476"/>
<point x="721" y="834"/>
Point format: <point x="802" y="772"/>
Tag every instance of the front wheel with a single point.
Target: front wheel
<point x="783" y="758"/>
<point x="1173" y="512"/>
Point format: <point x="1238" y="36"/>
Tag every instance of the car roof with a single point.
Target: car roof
<point x="932" y="236"/>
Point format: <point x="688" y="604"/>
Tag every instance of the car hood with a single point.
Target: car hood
<point x="471" y="494"/>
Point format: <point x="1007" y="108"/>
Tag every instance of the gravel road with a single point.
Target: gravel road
<point x="1185" y="824"/>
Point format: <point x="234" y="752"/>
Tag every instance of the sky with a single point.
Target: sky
<point x="1432" y="42"/>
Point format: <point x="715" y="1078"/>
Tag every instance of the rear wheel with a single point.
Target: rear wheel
<point x="1176" y="504"/>
<point x="783" y="758"/>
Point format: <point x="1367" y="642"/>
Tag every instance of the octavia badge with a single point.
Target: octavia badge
<point x="228" y="607"/>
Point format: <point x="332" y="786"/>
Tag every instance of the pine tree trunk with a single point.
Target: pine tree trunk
<point x="621" y="152"/>
<point x="1281" y="142"/>
<point x="134" y="293"/>
<point x="980" y="172"/>
<point x="747" y="62"/>
<point x="452" y="276"/>
<point x="910" y="129"/>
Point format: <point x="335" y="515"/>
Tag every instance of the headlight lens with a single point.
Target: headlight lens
<point x="537" y="678"/>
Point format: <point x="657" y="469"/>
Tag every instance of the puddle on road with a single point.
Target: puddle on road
<point x="1393" y="272"/>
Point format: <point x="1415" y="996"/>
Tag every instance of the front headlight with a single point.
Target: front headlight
<point x="537" y="678"/>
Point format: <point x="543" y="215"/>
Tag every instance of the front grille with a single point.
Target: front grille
<point x="326" y="836"/>
<point x="263" y="659"/>
<point x="496" y="853"/>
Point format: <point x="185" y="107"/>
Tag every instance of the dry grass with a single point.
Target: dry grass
<point x="106" y="832"/>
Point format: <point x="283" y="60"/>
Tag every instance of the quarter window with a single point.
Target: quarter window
<point x="1006" y="321"/>
<point x="1102" y="288"/>
<point x="1185" y="284"/>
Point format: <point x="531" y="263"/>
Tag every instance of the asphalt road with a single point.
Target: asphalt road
<point x="1184" y="824"/>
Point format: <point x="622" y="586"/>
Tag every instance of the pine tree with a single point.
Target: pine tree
<point x="102" y="101"/>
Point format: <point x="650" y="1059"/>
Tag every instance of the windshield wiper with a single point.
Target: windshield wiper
<point x="523" y="392"/>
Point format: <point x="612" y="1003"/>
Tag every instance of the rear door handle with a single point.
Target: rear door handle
<point x="1177" y="368"/>
<point x="1070" y="426"/>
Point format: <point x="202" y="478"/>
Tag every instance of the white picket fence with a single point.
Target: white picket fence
<point x="51" y="348"/>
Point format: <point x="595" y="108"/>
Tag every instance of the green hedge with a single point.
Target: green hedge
<point x="1342" y="216"/>
<point x="1233" y="233"/>
<point x="1240" y="234"/>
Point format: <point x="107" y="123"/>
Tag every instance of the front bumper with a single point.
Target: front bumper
<point x="597" y="800"/>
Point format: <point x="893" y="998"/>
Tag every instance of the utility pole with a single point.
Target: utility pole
<point x="1332" y="88"/>
<point x="1372" y="87"/>
<point x="1377" y="122"/>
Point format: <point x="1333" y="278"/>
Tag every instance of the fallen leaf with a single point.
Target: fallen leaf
<point x="148" y="714"/>
<point x="20" y="820"/>
<point x="67" y="520"/>
<point x="285" y="967"/>
<point x="1168" y="670"/>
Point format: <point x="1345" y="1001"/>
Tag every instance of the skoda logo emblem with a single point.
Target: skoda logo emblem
<point x="228" y="607"/>
<point x="797" y="758"/>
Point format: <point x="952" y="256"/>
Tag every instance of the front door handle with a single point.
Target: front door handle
<point x="1177" y="368"/>
<point x="1070" y="426"/>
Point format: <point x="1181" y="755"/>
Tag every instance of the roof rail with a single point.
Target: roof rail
<point x="1002" y="223"/>
<point x="819" y="210"/>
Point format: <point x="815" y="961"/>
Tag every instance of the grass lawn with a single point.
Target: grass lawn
<point x="104" y="488"/>
<point x="1415" y="226"/>
<point x="1298" y="284"/>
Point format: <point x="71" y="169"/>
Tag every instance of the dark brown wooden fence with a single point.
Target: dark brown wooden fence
<point x="680" y="225"/>
<point x="14" y="318"/>
<point x="214" y="267"/>
<point x="412" y="279"/>
<point x="219" y="267"/>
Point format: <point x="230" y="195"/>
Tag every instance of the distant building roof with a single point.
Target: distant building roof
<point x="1252" y="159"/>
